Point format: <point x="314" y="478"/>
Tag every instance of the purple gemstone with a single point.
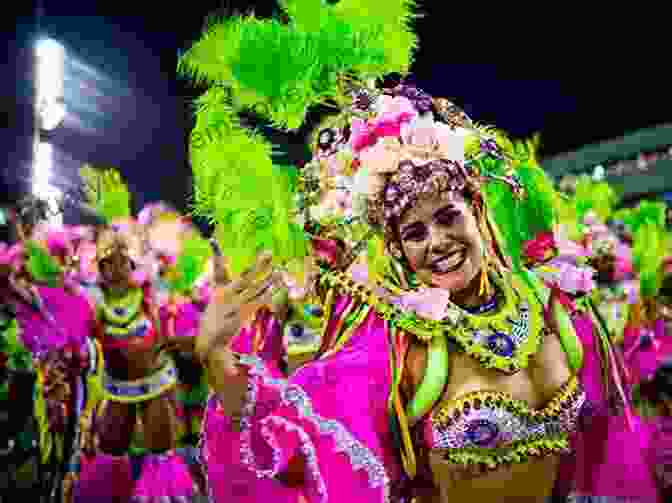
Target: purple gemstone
<point x="482" y="432"/>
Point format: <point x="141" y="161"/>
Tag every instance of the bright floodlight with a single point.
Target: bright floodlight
<point x="50" y="83"/>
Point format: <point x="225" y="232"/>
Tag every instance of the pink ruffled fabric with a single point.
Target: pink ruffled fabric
<point x="187" y="318"/>
<point x="617" y="461"/>
<point x="163" y="476"/>
<point x="104" y="479"/>
<point x="229" y="480"/>
<point x="349" y="451"/>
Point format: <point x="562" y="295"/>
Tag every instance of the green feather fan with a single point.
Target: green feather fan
<point x="105" y="192"/>
<point x="41" y="266"/>
<point x="277" y="70"/>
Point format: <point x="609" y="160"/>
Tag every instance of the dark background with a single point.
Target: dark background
<point x="577" y="78"/>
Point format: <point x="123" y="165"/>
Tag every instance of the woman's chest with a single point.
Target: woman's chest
<point x="485" y="408"/>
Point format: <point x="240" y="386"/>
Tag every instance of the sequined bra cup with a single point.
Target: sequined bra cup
<point x="488" y="428"/>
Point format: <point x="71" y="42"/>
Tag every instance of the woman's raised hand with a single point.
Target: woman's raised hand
<point x="233" y="304"/>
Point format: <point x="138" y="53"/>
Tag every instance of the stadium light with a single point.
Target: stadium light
<point x="50" y="83"/>
<point x="50" y="111"/>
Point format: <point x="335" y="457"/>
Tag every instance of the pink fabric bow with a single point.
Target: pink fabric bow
<point x="429" y="303"/>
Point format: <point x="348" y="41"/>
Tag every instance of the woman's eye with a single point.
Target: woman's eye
<point x="447" y="217"/>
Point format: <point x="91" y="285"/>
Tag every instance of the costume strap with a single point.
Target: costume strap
<point x="433" y="382"/>
<point x="400" y="343"/>
<point x="569" y="340"/>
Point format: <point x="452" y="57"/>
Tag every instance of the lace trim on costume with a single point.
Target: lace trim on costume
<point x="361" y="458"/>
<point x="491" y="428"/>
<point x="307" y="449"/>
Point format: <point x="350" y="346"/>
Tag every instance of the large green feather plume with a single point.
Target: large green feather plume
<point x="280" y="70"/>
<point x="277" y="70"/>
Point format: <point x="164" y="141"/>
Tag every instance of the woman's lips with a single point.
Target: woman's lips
<point x="449" y="263"/>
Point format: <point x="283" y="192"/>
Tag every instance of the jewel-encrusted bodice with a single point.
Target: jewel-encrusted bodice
<point x="488" y="428"/>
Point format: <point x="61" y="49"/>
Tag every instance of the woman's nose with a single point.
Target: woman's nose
<point x="436" y="237"/>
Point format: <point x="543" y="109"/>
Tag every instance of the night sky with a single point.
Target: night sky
<point x="571" y="82"/>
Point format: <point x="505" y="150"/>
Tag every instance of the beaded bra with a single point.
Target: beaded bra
<point x="125" y="320"/>
<point x="489" y="428"/>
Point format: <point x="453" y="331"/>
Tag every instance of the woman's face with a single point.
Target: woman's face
<point x="115" y="269"/>
<point x="442" y="242"/>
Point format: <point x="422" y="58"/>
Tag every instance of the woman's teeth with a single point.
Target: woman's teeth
<point x="449" y="263"/>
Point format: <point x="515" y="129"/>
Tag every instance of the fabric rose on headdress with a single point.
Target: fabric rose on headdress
<point x="393" y="113"/>
<point x="424" y="132"/>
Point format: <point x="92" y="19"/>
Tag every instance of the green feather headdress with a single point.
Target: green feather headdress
<point x="278" y="71"/>
<point x="105" y="192"/>
<point x="517" y="217"/>
<point x="647" y="223"/>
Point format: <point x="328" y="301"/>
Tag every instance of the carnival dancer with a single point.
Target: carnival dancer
<point x="18" y="438"/>
<point x="55" y="324"/>
<point x="448" y="368"/>
<point x="138" y="380"/>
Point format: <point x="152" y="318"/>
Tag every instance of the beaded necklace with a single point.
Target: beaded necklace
<point x="121" y="310"/>
<point x="504" y="339"/>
